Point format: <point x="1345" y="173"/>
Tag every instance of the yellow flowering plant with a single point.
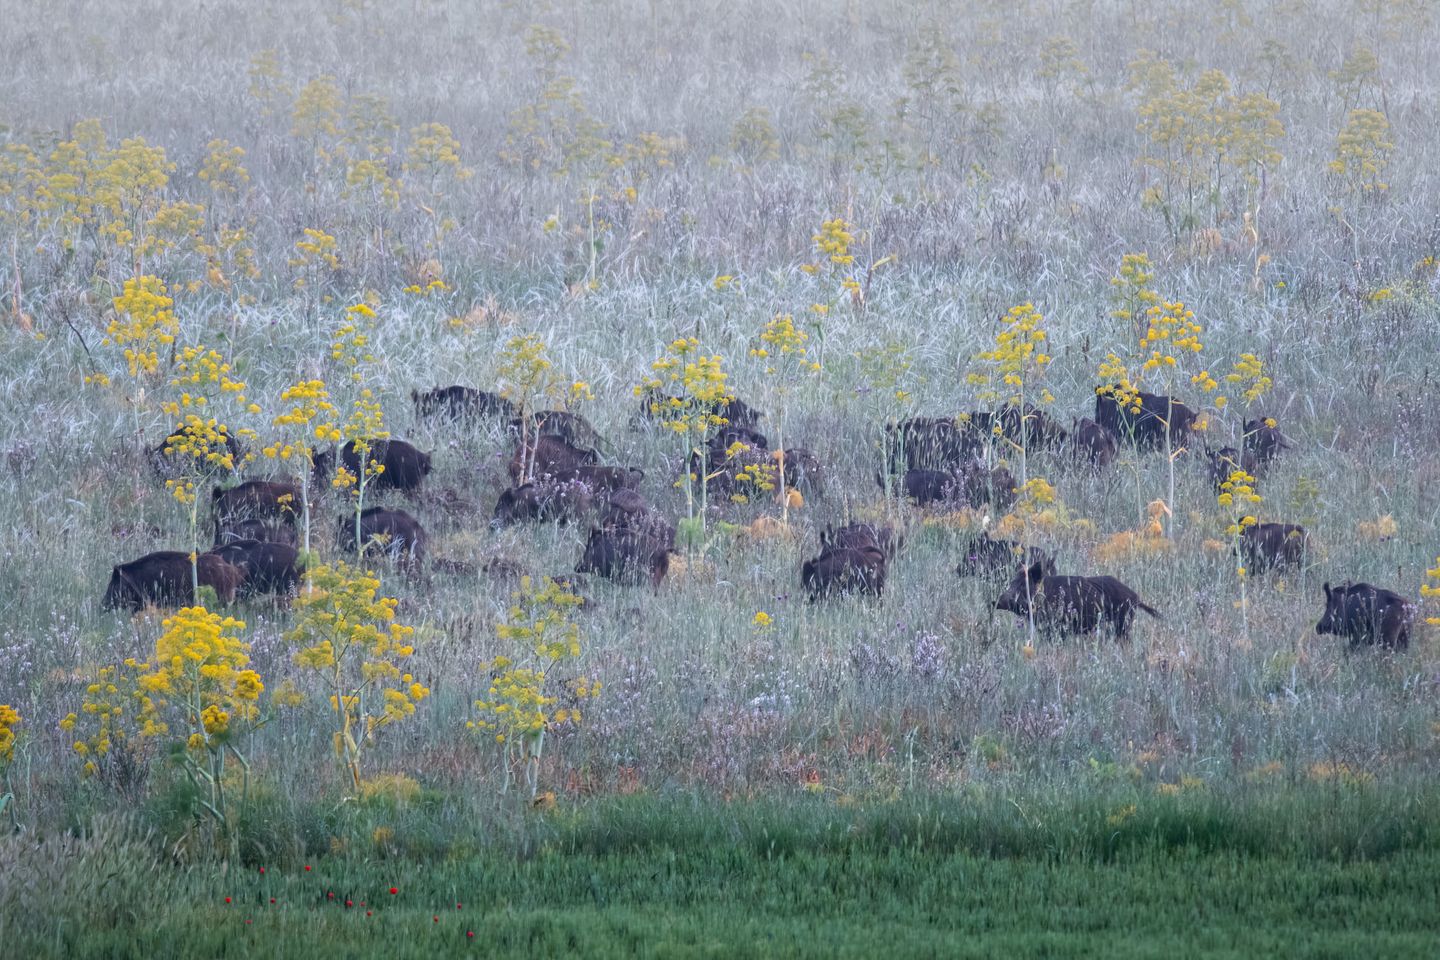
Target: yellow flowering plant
<point x="1172" y="336"/>
<point x="201" y="448"/>
<point x="349" y="640"/>
<point x="1017" y="360"/>
<point x="9" y="719"/>
<point x="116" y="727"/>
<point x="1131" y="287"/>
<point x="687" y="390"/>
<point x="782" y="348"/>
<point x="309" y="418"/>
<point x="1430" y="590"/>
<point x="520" y="704"/>
<point x="200" y="680"/>
<point x="526" y="374"/>
<point x="1238" y="497"/>
<point x="143" y="325"/>
<point x="835" y="243"/>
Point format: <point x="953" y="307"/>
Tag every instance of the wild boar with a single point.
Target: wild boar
<point x="462" y="403"/>
<point x="1072" y="605"/>
<point x="844" y="570"/>
<point x="1145" y="427"/>
<point x="392" y="532"/>
<point x="1367" y="615"/>
<point x="272" y="568"/>
<point x="164" y="578"/>
<point x="1266" y="546"/>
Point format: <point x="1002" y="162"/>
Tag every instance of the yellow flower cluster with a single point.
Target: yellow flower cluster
<point x="756" y="477"/>
<point x="516" y="704"/>
<point x="118" y="714"/>
<point x="315" y="115"/>
<point x="1362" y="150"/>
<point x="1431" y="589"/>
<point x="348" y="637"/>
<point x="1018" y="353"/>
<point x="9" y="720"/>
<point x="1237" y="493"/>
<point x="222" y="168"/>
<point x="539" y="622"/>
<point x="200" y="369"/>
<point x="317" y="253"/>
<point x="1171" y="330"/>
<point x="781" y="341"/>
<point x="1250" y="373"/>
<point x="834" y="240"/>
<point x="1115" y="382"/>
<point x="312" y="413"/>
<point x="1132" y="287"/>
<point x="143" y="323"/>
<point x="434" y="151"/>
<point x="525" y="368"/>
<point x="201" y="669"/>
<point x="202" y="443"/>
<point x="350" y="344"/>
<point x="702" y="383"/>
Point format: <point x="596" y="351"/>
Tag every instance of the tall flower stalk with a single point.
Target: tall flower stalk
<point x="781" y="346"/>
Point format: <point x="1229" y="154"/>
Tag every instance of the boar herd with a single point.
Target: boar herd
<point x="558" y="476"/>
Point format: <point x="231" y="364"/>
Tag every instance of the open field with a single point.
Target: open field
<point x="688" y="877"/>
<point x="362" y="199"/>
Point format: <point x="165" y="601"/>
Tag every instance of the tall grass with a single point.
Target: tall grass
<point x="1034" y="194"/>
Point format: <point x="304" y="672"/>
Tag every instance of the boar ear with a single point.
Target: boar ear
<point x="1036" y="572"/>
<point x="1327" y="590"/>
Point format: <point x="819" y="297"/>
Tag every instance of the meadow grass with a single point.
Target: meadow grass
<point x="1296" y="873"/>
<point x="908" y="773"/>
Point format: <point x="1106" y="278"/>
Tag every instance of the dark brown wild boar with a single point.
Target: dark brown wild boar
<point x="802" y="471"/>
<point x="256" y="500"/>
<point x="542" y="502"/>
<point x="572" y="428"/>
<point x="844" y="570"/>
<point x="1066" y="606"/>
<point x="1026" y="424"/>
<point x="625" y="556"/>
<point x="984" y="557"/>
<point x="859" y="536"/>
<point x="1263" y="439"/>
<point x="929" y="443"/>
<point x="272" y="568"/>
<point x="254" y="528"/>
<point x="388" y="531"/>
<point x="164" y="578"/>
<point x="1225" y="461"/>
<point x="1144" y="427"/>
<point x="1367" y="615"/>
<point x="549" y="457"/>
<point x="462" y="403"/>
<point x="1093" y="444"/>
<point x="1266" y="546"/>
<point x="404" y="467"/>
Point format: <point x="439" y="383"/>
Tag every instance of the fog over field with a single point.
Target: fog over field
<point x="910" y="236"/>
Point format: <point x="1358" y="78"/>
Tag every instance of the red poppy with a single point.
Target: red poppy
<point x="227" y="899"/>
<point x="394" y="890"/>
